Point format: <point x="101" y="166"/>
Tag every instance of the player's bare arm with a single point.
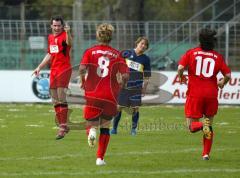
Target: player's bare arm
<point x="180" y="73"/>
<point x="145" y="84"/>
<point x="124" y="79"/>
<point x="44" y="62"/>
<point x="82" y="73"/>
<point x="221" y="83"/>
<point x="68" y="34"/>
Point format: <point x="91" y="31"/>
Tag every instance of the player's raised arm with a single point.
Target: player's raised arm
<point x="68" y="34"/>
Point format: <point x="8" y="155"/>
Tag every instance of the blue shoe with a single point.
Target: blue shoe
<point x="113" y="131"/>
<point x="133" y="132"/>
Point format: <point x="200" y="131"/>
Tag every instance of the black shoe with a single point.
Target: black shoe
<point x="62" y="132"/>
<point x="206" y="157"/>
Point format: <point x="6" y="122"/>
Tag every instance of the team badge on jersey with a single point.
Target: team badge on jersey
<point x="54" y="49"/>
<point x="40" y="86"/>
<point x="126" y="53"/>
<point x="134" y="65"/>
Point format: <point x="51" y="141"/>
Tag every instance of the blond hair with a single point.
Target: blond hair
<point x="104" y="33"/>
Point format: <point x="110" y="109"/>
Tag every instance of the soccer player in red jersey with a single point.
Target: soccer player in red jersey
<point x="59" y="44"/>
<point x="203" y="64"/>
<point x="103" y="71"/>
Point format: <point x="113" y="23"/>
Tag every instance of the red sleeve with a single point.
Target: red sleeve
<point x="86" y="58"/>
<point x="224" y="68"/>
<point x="184" y="60"/>
<point x="123" y="68"/>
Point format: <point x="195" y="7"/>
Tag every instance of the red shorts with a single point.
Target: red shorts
<point x="60" y="78"/>
<point x="95" y="108"/>
<point x="197" y="107"/>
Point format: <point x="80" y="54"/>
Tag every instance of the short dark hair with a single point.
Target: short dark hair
<point x="57" y="18"/>
<point x="207" y="38"/>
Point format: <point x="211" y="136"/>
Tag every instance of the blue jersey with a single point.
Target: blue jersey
<point x="139" y="67"/>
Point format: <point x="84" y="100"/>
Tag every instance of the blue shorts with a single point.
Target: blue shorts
<point x="129" y="98"/>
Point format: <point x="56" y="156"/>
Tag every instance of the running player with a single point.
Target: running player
<point x="203" y="64"/>
<point x="100" y="70"/>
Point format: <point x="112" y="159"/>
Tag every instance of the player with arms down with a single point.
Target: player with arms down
<point x="203" y="64"/>
<point x="130" y="97"/>
<point x="99" y="70"/>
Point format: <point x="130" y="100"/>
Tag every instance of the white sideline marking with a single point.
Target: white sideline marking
<point x="13" y="110"/>
<point x="28" y="104"/>
<point x="232" y="132"/>
<point x="39" y="106"/>
<point x="54" y="157"/>
<point x="34" y="125"/>
<point x="222" y="123"/>
<point x="169" y="171"/>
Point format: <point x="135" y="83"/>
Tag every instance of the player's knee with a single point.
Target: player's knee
<point x="119" y="108"/>
<point x="93" y="123"/>
<point x="135" y="110"/>
<point x="55" y="102"/>
<point x="63" y="101"/>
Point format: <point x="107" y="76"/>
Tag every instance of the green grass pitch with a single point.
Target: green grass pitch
<point x="162" y="148"/>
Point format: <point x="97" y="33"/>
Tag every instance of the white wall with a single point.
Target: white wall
<point x="18" y="86"/>
<point x="230" y="94"/>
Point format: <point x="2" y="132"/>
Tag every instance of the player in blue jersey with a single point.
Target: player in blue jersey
<point x="140" y="72"/>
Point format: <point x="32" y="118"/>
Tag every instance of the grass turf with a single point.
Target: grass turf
<point x="162" y="148"/>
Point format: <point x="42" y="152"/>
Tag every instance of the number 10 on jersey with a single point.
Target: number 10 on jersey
<point x="204" y="67"/>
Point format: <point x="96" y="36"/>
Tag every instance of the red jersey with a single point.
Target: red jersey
<point x="59" y="50"/>
<point x="103" y="63"/>
<point x="203" y="67"/>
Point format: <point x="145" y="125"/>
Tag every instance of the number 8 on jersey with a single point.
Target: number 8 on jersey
<point x="103" y="63"/>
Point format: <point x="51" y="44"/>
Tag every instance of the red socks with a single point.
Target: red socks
<point x="57" y="111"/>
<point x="61" y="111"/>
<point x="103" y="141"/>
<point x="195" y="126"/>
<point x="207" y="144"/>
